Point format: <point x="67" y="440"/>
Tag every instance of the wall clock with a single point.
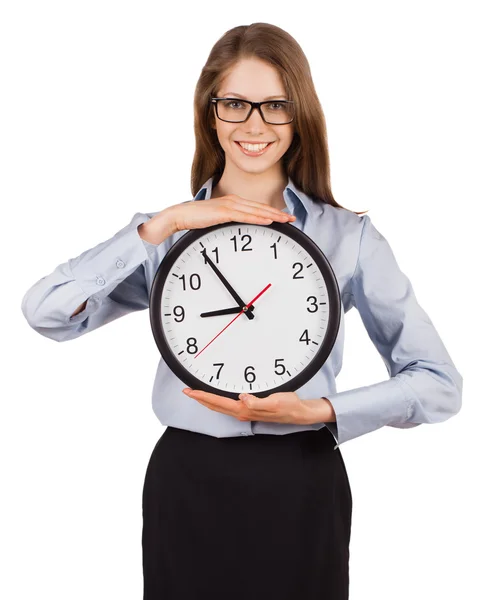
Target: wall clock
<point x="237" y="307"/>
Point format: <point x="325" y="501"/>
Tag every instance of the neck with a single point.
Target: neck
<point x="266" y="187"/>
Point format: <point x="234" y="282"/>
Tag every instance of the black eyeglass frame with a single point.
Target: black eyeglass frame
<point x="253" y="105"/>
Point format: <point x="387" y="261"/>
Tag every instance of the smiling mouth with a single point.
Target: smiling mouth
<point x="252" y="153"/>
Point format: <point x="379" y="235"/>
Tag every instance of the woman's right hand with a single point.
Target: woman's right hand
<point x="197" y="214"/>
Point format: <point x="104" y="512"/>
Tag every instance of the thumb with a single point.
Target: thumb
<point x="247" y="398"/>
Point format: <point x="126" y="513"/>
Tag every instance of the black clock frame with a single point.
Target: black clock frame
<point x="325" y="347"/>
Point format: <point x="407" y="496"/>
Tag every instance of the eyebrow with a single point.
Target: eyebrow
<point x="226" y="94"/>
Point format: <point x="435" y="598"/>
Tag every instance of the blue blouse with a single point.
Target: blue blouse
<point x="424" y="386"/>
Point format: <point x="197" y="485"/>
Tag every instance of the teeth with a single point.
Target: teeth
<point x="253" y="147"/>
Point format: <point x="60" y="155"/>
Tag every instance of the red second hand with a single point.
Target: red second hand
<point x="234" y="319"/>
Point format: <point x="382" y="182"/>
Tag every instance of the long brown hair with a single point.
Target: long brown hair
<point x="306" y="161"/>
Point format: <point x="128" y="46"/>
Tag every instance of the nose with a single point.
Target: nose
<point x="256" y="112"/>
<point x="255" y="122"/>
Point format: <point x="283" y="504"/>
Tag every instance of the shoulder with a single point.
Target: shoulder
<point x="341" y="220"/>
<point x="337" y="231"/>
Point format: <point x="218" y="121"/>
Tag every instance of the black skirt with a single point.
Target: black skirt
<point x="246" y="518"/>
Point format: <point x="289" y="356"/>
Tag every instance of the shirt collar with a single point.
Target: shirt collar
<point x="293" y="197"/>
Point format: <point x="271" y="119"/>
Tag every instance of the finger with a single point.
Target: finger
<point x="260" y="404"/>
<point x="242" y="413"/>
<point x="212" y="399"/>
<point x="256" y="217"/>
<point x="260" y="208"/>
<point x="222" y="409"/>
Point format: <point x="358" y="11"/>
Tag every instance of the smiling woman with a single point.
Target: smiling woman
<point x="280" y="504"/>
<point x="248" y="497"/>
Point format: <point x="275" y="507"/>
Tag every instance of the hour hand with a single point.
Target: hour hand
<point x="224" y="311"/>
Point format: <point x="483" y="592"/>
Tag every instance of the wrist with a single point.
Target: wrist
<point x="319" y="411"/>
<point x="169" y="217"/>
<point x="158" y="229"/>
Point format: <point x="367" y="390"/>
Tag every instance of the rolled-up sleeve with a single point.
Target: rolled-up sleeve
<point x="110" y="276"/>
<point x="424" y="384"/>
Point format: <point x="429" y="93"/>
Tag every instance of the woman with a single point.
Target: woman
<point x="249" y="498"/>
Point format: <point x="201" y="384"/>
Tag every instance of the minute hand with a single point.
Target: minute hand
<point x="227" y="285"/>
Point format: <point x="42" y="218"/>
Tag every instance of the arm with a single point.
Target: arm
<point x="109" y="280"/>
<point x="424" y="384"/>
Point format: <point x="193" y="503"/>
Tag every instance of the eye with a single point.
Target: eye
<point x="279" y="104"/>
<point x="230" y="102"/>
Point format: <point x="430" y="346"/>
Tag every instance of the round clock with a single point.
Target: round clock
<point x="239" y="308"/>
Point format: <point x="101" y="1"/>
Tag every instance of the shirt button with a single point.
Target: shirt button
<point x="120" y="264"/>
<point x="100" y="281"/>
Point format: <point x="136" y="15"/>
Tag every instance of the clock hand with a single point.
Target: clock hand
<point x="234" y="319"/>
<point x="226" y="283"/>
<point x="223" y="311"/>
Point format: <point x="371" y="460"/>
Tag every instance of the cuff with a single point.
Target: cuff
<point x="364" y="409"/>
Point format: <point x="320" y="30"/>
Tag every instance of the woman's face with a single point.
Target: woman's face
<point x="255" y="80"/>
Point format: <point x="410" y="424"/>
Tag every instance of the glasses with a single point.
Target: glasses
<point x="273" y="112"/>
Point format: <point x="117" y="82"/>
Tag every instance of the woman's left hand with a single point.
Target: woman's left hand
<point x="281" y="407"/>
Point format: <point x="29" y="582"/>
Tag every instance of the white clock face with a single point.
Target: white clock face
<point x="290" y="317"/>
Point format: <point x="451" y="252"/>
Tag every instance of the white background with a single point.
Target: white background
<point x="96" y="125"/>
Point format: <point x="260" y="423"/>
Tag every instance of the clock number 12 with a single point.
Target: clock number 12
<point x="244" y="248"/>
